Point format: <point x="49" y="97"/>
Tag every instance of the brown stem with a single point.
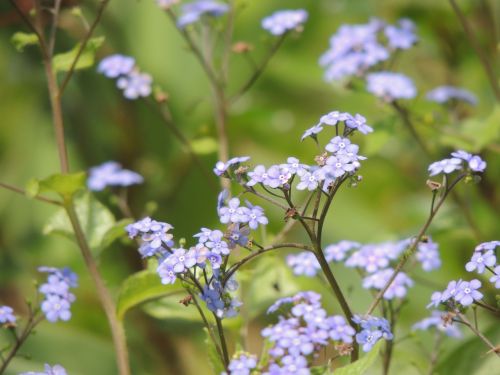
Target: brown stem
<point x="107" y="303"/>
<point x="83" y="44"/>
<point x="30" y="325"/>
<point x="259" y="70"/>
<point x="492" y="77"/>
<point x="405" y="116"/>
<point x="465" y="321"/>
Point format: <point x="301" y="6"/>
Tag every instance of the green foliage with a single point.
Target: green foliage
<point x="62" y="61"/>
<point x="21" y="40"/>
<point x="63" y="184"/>
<point x="204" y="146"/>
<point x="475" y="134"/>
<point x="213" y="355"/>
<point x="362" y="365"/>
<point x="141" y="287"/>
<point x="98" y="223"/>
<point x="464" y="359"/>
<point x="270" y="280"/>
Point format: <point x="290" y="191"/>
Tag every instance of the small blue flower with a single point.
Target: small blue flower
<point x="216" y="243"/>
<point x="56" y="308"/>
<point x="390" y="86"/>
<point x="480" y="261"/>
<point x="358" y="122"/>
<point x="468" y="292"/>
<point x="402" y="37"/>
<point x="6" y="315"/>
<point x="368" y="338"/>
<point x="49" y="370"/>
<point x="135" y="85"/>
<point x="255" y="216"/>
<point x="192" y="12"/>
<point x="111" y="174"/>
<point x="166" y="272"/>
<point x="496" y="277"/>
<point x="485" y="246"/>
<point x="428" y="255"/>
<point x="237" y="235"/>
<point x="436" y="321"/>
<point x="229" y="213"/>
<point x="284" y="20"/>
<point x="116" y="65"/>
<point x="242" y="364"/>
<point x="338" y="252"/>
<point x="340" y="330"/>
<point x="221" y="167"/>
<point x="446" y="166"/>
<point x="304" y="263"/>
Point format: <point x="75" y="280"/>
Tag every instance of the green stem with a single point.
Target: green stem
<point x="222" y="339"/>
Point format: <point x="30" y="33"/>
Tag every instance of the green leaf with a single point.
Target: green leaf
<point x="20" y="40"/>
<point x="204" y="146"/>
<point x="361" y="365"/>
<point x="464" y="359"/>
<point x="32" y="188"/>
<point x="319" y="370"/>
<point x="116" y="232"/>
<point x="213" y="355"/>
<point x="271" y="279"/>
<point x="141" y="287"/>
<point x="64" y="184"/>
<point x="62" y="62"/>
<point x="95" y="218"/>
<point x="475" y="134"/>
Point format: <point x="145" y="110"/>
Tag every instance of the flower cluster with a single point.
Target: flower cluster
<point x="462" y="292"/>
<point x="7" y="316"/>
<point x="218" y="298"/>
<point x="49" y="370"/>
<point x="58" y="298"/>
<point x="356" y="48"/>
<point x="130" y="80"/>
<point x="458" y="161"/>
<point x="251" y="215"/>
<point x="192" y="12"/>
<point x="445" y="94"/>
<point x="390" y="86"/>
<point x="284" y="20"/>
<point x="439" y="320"/>
<point x="373" y="260"/>
<point x="111" y="174"/>
<point x="372" y="330"/>
<point x="212" y="247"/>
<point x="301" y="332"/>
<point x="242" y="364"/>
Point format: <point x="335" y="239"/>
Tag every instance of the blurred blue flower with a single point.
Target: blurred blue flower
<point x="284" y="20"/>
<point x="390" y="86"/>
<point x="111" y="173"/>
<point x="192" y="12"/>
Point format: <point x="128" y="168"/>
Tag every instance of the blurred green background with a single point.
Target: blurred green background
<point x="390" y="203"/>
